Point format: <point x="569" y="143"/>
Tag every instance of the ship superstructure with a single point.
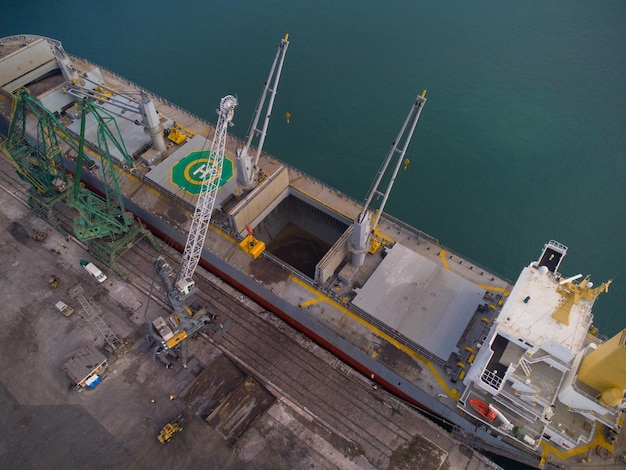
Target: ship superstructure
<point x="512" y="368"/>
<point x="538" y="366"/>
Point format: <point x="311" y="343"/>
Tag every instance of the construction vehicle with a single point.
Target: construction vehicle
<point x="171" y="428"/>
<point x="53" y="281"/>
<point x="39" y="235"/>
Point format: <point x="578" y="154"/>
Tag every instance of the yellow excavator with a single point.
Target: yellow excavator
<point x="53" y="281"/>
<point x="170" y="429"/>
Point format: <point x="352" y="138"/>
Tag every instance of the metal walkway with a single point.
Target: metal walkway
<point x="93" y="315"/>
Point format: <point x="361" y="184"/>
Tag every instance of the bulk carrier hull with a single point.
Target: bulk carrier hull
<point x="413" y="318"/>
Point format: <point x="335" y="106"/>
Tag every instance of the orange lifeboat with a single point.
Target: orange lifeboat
<point x="483" y="409"/>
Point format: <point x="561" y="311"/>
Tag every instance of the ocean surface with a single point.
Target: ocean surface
<point x="522" y="140"/>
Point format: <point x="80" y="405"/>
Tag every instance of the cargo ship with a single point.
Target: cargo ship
<point x="513" y="369"/>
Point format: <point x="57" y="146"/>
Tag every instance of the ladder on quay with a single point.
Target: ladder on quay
<point x="92" y="314"/>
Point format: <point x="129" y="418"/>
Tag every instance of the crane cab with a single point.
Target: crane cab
<point x="186" y="286"/>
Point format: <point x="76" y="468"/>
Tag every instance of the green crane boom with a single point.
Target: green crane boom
<point x="39" y="162"/>
<point x="99" y="216"/>
<point x="102" y="220"/>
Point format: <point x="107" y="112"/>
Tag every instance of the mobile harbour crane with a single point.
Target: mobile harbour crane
<point x="168" y="333"/>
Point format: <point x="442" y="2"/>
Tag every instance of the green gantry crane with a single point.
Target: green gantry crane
<point x="38" y="161"/>
<point x="102" y="221"/>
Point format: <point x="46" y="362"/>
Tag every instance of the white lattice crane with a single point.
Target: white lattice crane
<point x="212" y="172"/>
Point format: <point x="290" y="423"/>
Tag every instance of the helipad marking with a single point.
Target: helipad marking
<point x="191" y="169"/>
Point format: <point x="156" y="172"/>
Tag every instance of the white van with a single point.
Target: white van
<point x="95" y="272"/>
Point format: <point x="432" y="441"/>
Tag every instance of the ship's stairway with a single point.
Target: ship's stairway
<point x="582" y="410"/>
<point x="543" y="356"/>
<point x="474" y="334"/>
<point x="525" y="367"/>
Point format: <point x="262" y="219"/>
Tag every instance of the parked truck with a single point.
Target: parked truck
<point x="93" y="270"/>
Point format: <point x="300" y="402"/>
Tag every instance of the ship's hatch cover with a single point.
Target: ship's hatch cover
<point x="420" y="299"/>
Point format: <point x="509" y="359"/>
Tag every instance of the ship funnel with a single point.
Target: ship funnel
<point x="604" y="369"/>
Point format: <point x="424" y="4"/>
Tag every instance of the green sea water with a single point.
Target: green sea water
<point x="522" y="139"/>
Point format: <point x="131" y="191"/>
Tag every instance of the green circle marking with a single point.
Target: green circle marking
<point x="187" y="173"/>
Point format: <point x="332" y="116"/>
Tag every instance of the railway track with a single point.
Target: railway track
<point x="339" y="401"/>
<point x="290" y="364"/>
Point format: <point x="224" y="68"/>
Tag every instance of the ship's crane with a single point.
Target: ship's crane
<point x="365" y="235"/>
<point x="206" y="200"/>
<point x="247" y="165"/>
<point x="81" y="86"/>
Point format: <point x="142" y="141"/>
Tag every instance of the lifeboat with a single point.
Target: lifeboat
<point x="483" y="409"/>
